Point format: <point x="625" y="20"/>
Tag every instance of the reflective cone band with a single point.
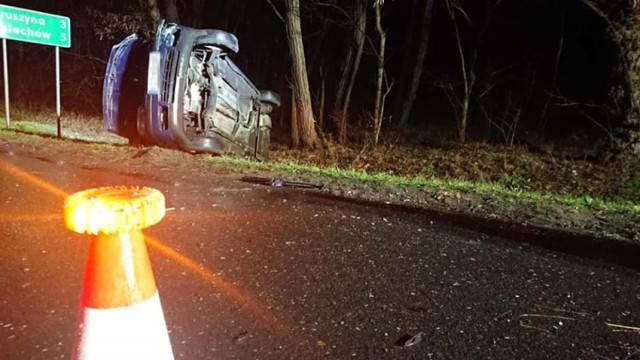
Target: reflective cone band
<point x="120" y="315"/>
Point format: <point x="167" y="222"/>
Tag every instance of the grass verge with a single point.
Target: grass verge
<point x="481" y="188"/>
<point x="90" y="128"/>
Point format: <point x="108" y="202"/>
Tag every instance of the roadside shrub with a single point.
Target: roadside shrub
<point x="630" y="189"/>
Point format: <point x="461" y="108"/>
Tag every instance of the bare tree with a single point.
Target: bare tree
<point x="378" y="111"/>
<point x="171" y="11"/>
<point x="240" y="14"/>
<point x="408" y="99"/>
<point x="322" y="96"/>
<point x="554" y="76"/>
<point x="407" y="57"/>
<point x="350" y="67"/>
<point x="467" y="62"/>
<point x="151" y="8"/>
<point x="623" y="19"/>
<point x="305" y="123"/>
<point x="295" y="134"/>
<point x="323" y="24"/>
<point x="505" y="114"/>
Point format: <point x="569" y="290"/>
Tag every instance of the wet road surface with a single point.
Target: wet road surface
<point x="252" y="272"/>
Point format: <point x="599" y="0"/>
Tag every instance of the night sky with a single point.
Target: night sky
<point x="516" y="58"/>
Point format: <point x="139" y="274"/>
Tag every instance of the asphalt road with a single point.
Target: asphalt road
<point x="251" y="272"/>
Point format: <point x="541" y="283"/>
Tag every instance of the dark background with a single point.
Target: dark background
<point x="515" y="64"/>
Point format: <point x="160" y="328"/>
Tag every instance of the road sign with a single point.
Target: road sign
<point x="34" y="26"/>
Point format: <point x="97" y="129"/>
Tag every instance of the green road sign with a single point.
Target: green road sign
<point x="34" y="26"/>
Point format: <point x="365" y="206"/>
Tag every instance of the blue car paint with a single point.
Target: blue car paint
<point x="112" y="86"/>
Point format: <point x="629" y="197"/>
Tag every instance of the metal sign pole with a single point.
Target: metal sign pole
<point x="6" y="81"/>
<point x="58" y="111"/>
<point x="38" y="28"/>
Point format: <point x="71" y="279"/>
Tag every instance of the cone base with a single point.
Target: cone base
<point x="133" y="332"/>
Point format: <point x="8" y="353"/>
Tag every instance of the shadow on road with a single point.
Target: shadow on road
<point x="598" y="248"/>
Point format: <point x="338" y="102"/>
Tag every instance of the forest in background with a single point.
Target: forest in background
<point x="498" y="71"/>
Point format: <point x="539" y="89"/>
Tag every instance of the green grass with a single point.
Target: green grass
<point x="505" y="187"/>
<point x="88" y="128"/>
<point x="73" y="125"/>
<point x="631" y="188"/>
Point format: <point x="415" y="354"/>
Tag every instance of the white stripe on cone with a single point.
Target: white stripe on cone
<point x="123" y="333"/>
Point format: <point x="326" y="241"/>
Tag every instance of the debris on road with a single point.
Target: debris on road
<point x="141" y="152"/>
<point x="407" y="340"/>
<point x="278" y="182"/>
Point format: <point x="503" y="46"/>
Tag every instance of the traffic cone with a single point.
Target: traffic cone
<point x="120" y="313"/>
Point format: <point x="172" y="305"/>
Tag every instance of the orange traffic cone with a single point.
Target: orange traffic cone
<point x="120" y="312"/>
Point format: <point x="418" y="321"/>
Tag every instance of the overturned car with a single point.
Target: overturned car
<point x="182" y="91"/>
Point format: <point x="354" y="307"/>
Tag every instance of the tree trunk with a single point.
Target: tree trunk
<point x="323" y="92"/>
<point x="342" y="78"/>
<point x="379" y="105"/>
<point x="407" y="54"/>
<point x="171" y="11"/>
<point x="295" y="135"/>
<point x="464" y="117"/>
<point x="468" y="68"/>
<point x="352" y="46"/>
<point x="350" y="67"/>
<point x="462" y="120"/>
<point x="152" y="9"/>
<point x="416" y="76"/>
<point x="624" y="25"/>
<point x="359" y="38"/>
<point x="239" y="15"/>
<point x="628" y="40"/>
<point x="554" y="76"/>
<point x="304" y="113"/>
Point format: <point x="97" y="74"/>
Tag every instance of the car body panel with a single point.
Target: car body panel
<point x="120" y="85"/>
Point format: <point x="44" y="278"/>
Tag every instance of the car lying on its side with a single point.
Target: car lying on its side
<point x="182" y="91"/>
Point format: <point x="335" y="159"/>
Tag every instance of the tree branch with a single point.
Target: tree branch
<point x="335" y="7"/>
<point x="275" y="9"/>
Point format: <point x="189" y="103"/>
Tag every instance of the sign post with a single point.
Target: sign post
<point x="6" y="82"/>
<point x="35" y="27"/>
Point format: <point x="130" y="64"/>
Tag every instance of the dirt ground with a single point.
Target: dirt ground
<point x="518" y="168"/>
